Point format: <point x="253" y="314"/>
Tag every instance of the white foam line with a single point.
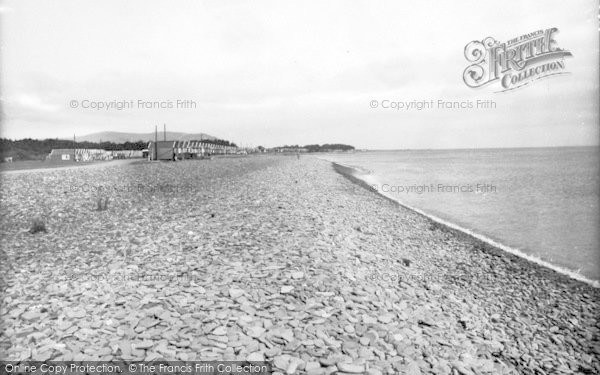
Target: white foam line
<point x="371" y="180"/>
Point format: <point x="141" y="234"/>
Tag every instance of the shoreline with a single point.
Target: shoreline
<point x="353" y="173"/>
<point x="277" y="259"/>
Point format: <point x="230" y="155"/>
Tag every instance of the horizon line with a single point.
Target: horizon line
<point x="360" y="149"/>
<point x="474" y="148"/>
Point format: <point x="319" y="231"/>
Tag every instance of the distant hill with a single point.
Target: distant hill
<point x="118" y="137"/>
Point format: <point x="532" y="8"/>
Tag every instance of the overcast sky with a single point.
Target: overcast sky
<point x="292" y="72"/>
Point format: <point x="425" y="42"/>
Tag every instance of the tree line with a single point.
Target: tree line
<point x="321" y="148"/>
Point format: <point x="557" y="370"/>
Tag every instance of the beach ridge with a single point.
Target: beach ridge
<point x="274" y="258"/>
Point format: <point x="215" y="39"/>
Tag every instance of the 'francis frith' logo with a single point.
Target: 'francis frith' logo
<point x="515" y="63"/>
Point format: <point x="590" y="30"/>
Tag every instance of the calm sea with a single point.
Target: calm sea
<point x="541" y="202"/>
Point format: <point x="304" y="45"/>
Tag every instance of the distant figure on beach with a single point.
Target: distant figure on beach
<point x="298" y="155"/>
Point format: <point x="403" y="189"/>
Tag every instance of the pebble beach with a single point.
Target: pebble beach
<point x="271" y="258"/>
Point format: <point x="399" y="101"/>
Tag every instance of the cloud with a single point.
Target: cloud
<point x="289" y="72"/>
<point x="4" y="9"/>
<point x="29" y="102"/>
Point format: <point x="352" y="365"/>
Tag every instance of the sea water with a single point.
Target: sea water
<point x="541" y="203"/>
